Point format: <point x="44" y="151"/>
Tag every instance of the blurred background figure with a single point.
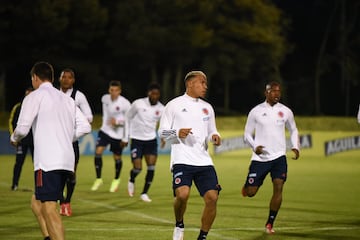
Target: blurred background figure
<point x="26" y="144"/>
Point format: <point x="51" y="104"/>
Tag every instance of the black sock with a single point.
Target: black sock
<point x="70" y="186"/>
<point x="148" y="179"/>
<point x="98" y="165"/>
<point x="118" y="166"/>
<point x="202" y="235"/>
<point x="133" y="173"/>
<point x="272" y="216"/>
<point x="47" y="238"/>
<point x="180" y="224"/>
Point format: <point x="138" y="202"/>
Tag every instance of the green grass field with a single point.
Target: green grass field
<point x="321" y="201"/>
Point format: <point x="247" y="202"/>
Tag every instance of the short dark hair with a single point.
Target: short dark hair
<point x="115" y="83"/>
<point x="69" y="70"/>
<point x="271" y="84"/>
<point x="43" y="70"/>
<point x="154" y="85"/>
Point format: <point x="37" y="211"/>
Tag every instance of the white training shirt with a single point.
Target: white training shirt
<point x="358" y="115"/>
<point x="56" y="122"/>
<point x="142" y="119"/>
<point x="82" y="103"/>
<point x="114" y="109"/>
<point x="187" y="112"/>
<point x="268" y="123"/>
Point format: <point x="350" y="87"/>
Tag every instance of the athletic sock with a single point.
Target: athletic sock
<point x="148" y="178"/>
<point x="133" y="173"/>
<point x="70" y="186"/>
<point x="47" y="238"/>
<point x="272" y="216"/>
<point x="118" y="166"/>
<point x="180" y="224"/>
<point x="98" y="165"/>
<point x="202" y="235"/>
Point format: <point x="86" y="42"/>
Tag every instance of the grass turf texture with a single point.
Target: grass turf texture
<point x="321" y="200"/>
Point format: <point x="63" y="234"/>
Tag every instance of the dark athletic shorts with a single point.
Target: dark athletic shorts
<point x="139" y="148"/>
<point x="103" y="140"/>
<point x="49" y="185"/>
<point x="204" y="177"/>
<point x="258" y="171"/>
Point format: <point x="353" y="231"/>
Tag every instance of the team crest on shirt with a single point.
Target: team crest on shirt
<point x="205" y="111"/>
<point x="157" y="113"/>
<point x="117" y="108"/>
<point x="281" y="114"/>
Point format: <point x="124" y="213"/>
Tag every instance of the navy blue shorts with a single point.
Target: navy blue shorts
<point x="49" y="185"/>
<point x="103" y="140"/>
<point x="204" y="177"/>
<point x="139" y="148"/>
<point x="258" y="171"/>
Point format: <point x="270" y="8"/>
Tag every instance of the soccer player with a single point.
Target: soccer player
<point x="141" y="122"/>
<point x="268" y="121"/>
<point x="26" y="144"/>
<point x="56" y="122"/>
<point x="67" y="80"/>
<point x="188" y="124"/>
<point x="114" y="107"/>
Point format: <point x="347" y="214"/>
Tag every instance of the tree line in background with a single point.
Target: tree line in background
<point x="240" y="44"/>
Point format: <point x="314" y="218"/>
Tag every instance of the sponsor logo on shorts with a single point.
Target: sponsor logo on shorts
<point x="178" y="174"/>
<point x="252" y="175"/>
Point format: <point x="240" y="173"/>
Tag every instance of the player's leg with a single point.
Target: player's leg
<point x="278" y="175"/>
<point x="116" y="149"/>
<point x="150" y="152"/>
<point x="137" y="167"/>
<point x="36" y="209"/>
<point x="208" y="186"/>
<point x="182" y="180"/>
<point x="150" y="162"/>
<point x="19" y="162"/>
<point x="101" y="143"/>
<point x="48" y="189"/>
<point x="255" y="178"/>
<point x="136" y="150"/>
<point x="65" y="207"/>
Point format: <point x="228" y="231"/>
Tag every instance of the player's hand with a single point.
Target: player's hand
<point x="13" y="143"/>
<point x="297" y="153"/>
<point x="216" y="140"/>
<point x="259" y="150"/>
<point x="162" y="143"/>
<point x="184" y="132"/>
<point x="123" y="144"/>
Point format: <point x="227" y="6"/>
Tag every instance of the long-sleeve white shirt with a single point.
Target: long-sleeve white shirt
<point x="56" y="122"/>
<point x="187" y="112"/>
<point x="114" y="109"/>
<point x="142" y="119"/>
<point x="82" y="103"/>
<point x="268" y="124"/>
<point x="358" y="115"/>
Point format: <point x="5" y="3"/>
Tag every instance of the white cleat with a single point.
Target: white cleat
<point x="178" y="233"/>
<point x="131" y="189"/>
<point x="145" y="197"/>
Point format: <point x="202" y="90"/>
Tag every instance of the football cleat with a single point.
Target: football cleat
<point x="145" y="197"/>
<point x="115" y="185"/>
<point x="98" y="182"/>
<point x="131" y="189"/>
<point x="269" y="229"/>
<point x="178" y="233"/>
<point x="65" y="209"/>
